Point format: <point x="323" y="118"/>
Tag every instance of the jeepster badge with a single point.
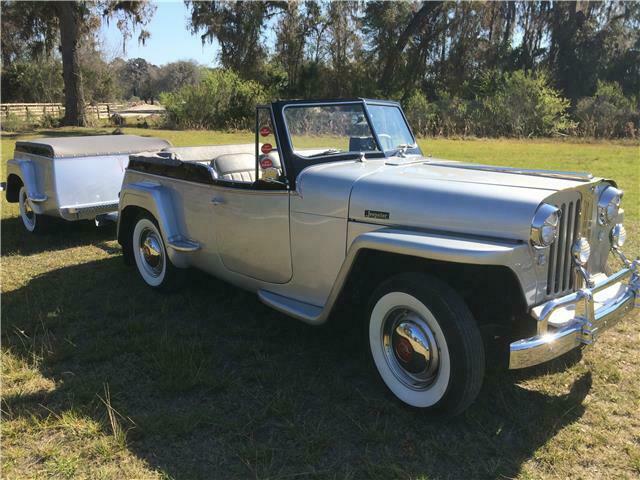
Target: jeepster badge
<point x="376" y="214"/>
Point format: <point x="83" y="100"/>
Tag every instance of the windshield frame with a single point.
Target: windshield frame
<point x="297" y="163"/>
<point x="333" y="104"/>
<point x="415" y="150"/>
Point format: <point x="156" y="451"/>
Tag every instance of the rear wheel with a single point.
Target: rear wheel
<point x="32" y="222"/>
<point x="150" y="253"/>
<point x="425" y="344"/>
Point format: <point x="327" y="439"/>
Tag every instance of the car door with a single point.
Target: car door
<point x="252" y="217"/>
<point x="252" y="233"/>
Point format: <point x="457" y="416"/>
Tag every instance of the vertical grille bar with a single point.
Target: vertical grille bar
<point x="561" y="275"/>
<point x="569" y="243"/>
<point x="576" y="232"/>
<point x="562" y="250"/>
<point x="553" y="259"/>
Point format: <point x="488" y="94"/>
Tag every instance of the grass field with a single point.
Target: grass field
<point x="103" y="378"/>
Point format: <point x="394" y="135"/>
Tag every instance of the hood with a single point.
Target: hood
<point x="432" y="194"/>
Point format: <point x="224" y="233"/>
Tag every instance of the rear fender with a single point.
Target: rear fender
<point x="157" y="200"/>
<point x="26" y="170"/>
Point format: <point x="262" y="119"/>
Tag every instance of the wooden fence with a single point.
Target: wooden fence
<point x="26" y="111"/>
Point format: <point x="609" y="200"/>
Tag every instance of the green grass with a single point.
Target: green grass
<point x="103" y="378"/>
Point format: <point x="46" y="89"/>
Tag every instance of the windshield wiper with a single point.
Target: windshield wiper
<point x="330" y="151"/>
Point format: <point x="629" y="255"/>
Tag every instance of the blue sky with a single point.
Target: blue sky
<point x="170" y="38"/>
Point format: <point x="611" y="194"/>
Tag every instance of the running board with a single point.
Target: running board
<point x="294" y="308"/>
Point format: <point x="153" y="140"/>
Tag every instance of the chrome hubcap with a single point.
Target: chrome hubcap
<point x="151" y="252"/>
<point x="410" y="348"/>
<point x="27" y="211"/>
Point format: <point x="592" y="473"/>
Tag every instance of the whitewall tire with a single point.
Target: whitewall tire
<point x="33" y="223"/>
<point x="150" y="254"/>
<point x="425" y="344"/>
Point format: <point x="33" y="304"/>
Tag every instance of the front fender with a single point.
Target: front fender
<point x="446" y="248"/>
<point x="157" y="200"/>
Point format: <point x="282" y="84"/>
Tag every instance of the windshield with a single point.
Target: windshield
<point x="322" y="130"/>
<point x="390" y="126"/>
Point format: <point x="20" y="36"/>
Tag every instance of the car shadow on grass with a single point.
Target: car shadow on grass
<point x="210" y="383"/>
<point x="61" y="235"/>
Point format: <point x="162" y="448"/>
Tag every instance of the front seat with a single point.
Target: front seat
<point x="235" y="167"/>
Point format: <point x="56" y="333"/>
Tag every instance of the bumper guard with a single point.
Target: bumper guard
<point x="594" y="310"/>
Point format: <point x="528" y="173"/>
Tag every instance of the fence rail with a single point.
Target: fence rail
<point x="26" y="111"/>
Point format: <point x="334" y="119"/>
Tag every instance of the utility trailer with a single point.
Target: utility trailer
<point x="74" y="178"/>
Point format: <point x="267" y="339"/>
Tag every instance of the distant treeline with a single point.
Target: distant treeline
<point x="459" y="68"/>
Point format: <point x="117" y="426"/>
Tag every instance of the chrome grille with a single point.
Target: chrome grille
<point x="561" y="273"/>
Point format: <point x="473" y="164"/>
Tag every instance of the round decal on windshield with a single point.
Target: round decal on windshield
<point x="266" y="148"/>
<point x="265" y="131"/>
<point x="266" y="163"/>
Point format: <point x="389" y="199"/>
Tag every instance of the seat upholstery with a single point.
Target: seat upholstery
<point x="209" y="152"/>
<point x="235" y="167"/>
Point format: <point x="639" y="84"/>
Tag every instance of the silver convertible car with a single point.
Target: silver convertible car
<point x="334" y="205"/>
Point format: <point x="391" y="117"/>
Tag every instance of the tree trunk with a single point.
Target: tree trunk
<point x="417" y="22"/>
<point x="69" y="16"/>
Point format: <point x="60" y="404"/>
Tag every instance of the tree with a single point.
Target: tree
<point x="292" y="31"/>
<point x="237" y="26"/>
<point x="140" y="77"/>
<point x="175" y="75"/>
<point x="27" y="32"/>
<point x="417" y="22"/>
<point x="71" y="22"/>
<point x="78" y="18"/>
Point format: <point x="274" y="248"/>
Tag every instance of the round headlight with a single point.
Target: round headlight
<point x="581" y="251"/>
<point x="544" y="228"/>
<point x="609" y="205"/>
<point x="618" y="235"/>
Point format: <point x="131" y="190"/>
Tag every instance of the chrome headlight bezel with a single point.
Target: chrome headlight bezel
<point x="609" y="205"/>
<point x="545" y="225"/>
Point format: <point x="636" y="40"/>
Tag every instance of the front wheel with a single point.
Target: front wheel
<point x="425" y="344"/>
<point x="32" y="222"/>
<point x="151" y="258"/>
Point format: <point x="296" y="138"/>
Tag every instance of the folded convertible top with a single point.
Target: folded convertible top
<point x="88" y="146"/>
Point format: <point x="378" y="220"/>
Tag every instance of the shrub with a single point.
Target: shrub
<point x="421" y="114"/>
<point x="220" y="100"/>
<point x="608" y="113"/>
<point x="13" y="123"/>
<point x="525" y="106"/>
<point x="454" y="116"/>
<point x="32" y="81"/>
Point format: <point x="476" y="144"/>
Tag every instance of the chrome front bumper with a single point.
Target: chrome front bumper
<point x="580" y="318"/>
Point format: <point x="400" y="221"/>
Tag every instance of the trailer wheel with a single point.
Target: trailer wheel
<point x="32" y="222"/>
<point x="150" y="254"/>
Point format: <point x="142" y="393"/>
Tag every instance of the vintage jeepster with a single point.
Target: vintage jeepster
<point x="334" y="205"/>
<point x="74" y="178"/>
